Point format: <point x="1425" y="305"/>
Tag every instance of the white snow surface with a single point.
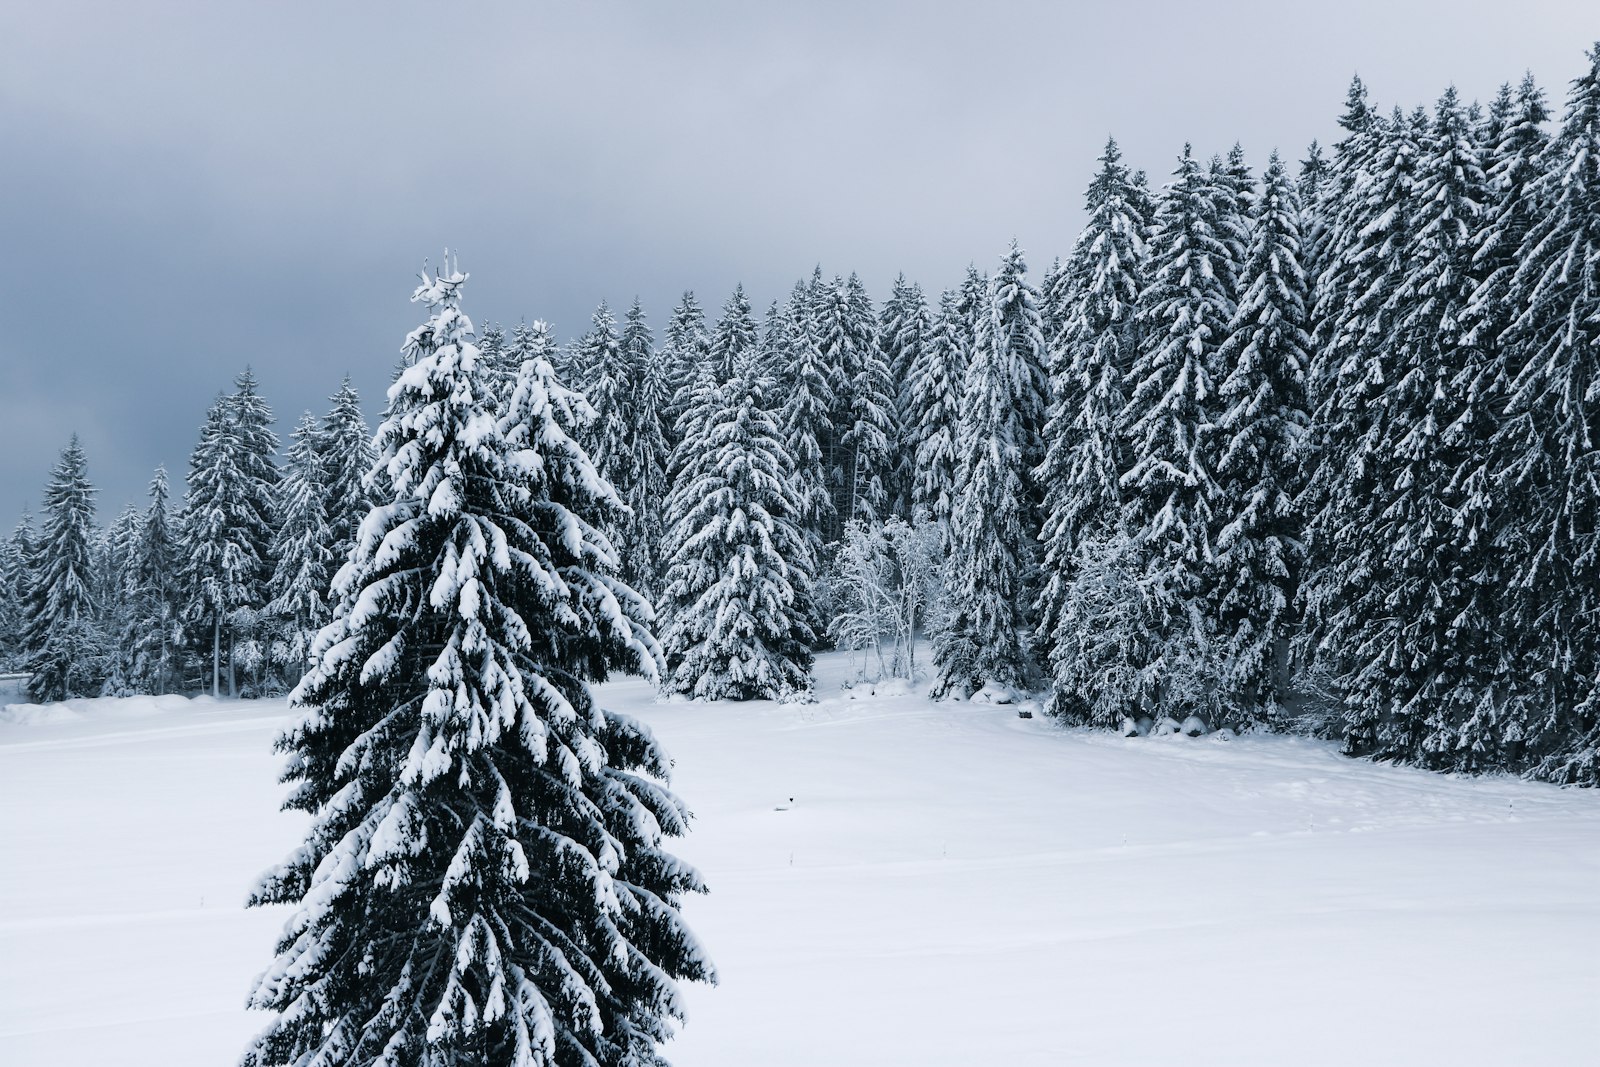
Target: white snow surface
<point x="951" y="884"/>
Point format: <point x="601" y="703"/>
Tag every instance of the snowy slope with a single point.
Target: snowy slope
<point x="951" y="885"/>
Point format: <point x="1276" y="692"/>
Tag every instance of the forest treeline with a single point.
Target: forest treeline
<point x="1313" y="449"/>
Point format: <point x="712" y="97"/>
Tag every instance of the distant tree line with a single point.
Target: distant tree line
<point x="219" y="591"/>
<point x="1313" y="450"/>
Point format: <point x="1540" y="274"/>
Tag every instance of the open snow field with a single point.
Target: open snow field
<point x="951" y="885"/>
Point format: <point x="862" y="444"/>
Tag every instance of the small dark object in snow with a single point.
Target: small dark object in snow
<point x="1024" y="713"/>
<point x="785" y="807"/>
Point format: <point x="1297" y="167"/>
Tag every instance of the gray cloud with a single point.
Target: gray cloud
<point x="188" y="188"/>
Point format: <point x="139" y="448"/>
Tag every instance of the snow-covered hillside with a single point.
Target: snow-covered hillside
<point x="893" y="882"/>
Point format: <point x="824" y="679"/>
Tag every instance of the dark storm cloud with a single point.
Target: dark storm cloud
<point x="186" y="189"/>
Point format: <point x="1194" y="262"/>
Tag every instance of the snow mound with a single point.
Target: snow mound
<point x="98" y="708"/>
<point x="1166" y="727"/>
<point x="888" y="687"/>
<point x="994" y="693"/>
<point x="1194" y="726"/>
<point x="37" y="714"/>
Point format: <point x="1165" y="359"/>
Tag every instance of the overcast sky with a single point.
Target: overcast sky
<point x="189" y="188"/>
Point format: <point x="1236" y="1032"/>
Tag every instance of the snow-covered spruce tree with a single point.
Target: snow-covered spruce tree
<point x="974" y="302"/>
<point x="114" y="555"/>
<point x="932" y="405"/>
<point x="15" y="553"/>
<point x="903" y="331"/>
<point x="1313" y="186"/>
<point x="1168" y="489"/>
<point x="804" y="422"/>
<point x="1339" y="261"/>
<point x="156" y="617"/>
<point x="303" y="564"/>
<point x="1514" y="145"/>
<point x="1512" y="205"/>
<point x="606" y="382"/>
<point x="772" y="353"/>
<point x="1054" y="297"/>
<point x="1096" y="295"/>
<point x="257" y="460"/>
<point x="1235" y="190"/>
<point x="344" y="446"/>
<point x="222" y="572"/>
<point x="993" y="553"/>
<point x="650" y="457"/>
<point x="687" y="347"/>
<point x="868" y="441"/>
<point x="1012" y="327"/>
<point x="740" y="570"/>
<point x="1430" y="634"/>
<point x="1553" y="423"/>
<point x="530" y="340"/>
<point x="483" y="881"/>
<point x="734" y="342"/>
<point x="856" y="452"/>
<point x="65" y="645"/>
<point x="1262" y="414"/>
<point x="499" y="363"/>
<point x="1344" y="496"/>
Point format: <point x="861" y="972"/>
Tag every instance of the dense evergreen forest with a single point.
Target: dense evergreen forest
<point x="1310" y="449"/>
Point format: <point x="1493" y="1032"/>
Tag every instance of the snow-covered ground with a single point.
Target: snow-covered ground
<point x="950" y="884"/>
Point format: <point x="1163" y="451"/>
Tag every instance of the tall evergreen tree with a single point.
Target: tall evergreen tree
<point x="608" y="383"/>
<point x="1012" y="326"/>
<point x="66" y="647"/>
<point x="740" y="570"/>
<point x="772" y="352"/>
<point x="499" y="364"/>
<point x="16" y="552"/>
<point x="687" y="347"/>
<point x="1313" y="187"/>
<point x="734" y="342"/>
<point x="1340" y="253"/>
<point x="932" y="407"/>
<point x="1345" y="493"/>
<point x="303" y="563"/>
<point x="856" y="450"/>
<point x="158" y="605"/>
<point x="483" y="880"/>
<point x="1182" y="319"/>
<point x="1432" y="629"/>
<point x="1096" y="297"/>
<point x="993" y="527"/>
<point x="1055" y="298"/>
<point x="1550" y="435"/>
<point x="805" y="423"/>
<point x="1514" y="144"/>
<point x="257" y="461"/>
<point x="1261" y="417"/>
<point x="868" y="438"/>
<point x="903" y="331"/>
<point x="344" y="448"/>
<point x="222" y="564"/>
<point x="115" y="556"/>
<point x="650" y="457"/>
<point x="1234" y="188"/>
